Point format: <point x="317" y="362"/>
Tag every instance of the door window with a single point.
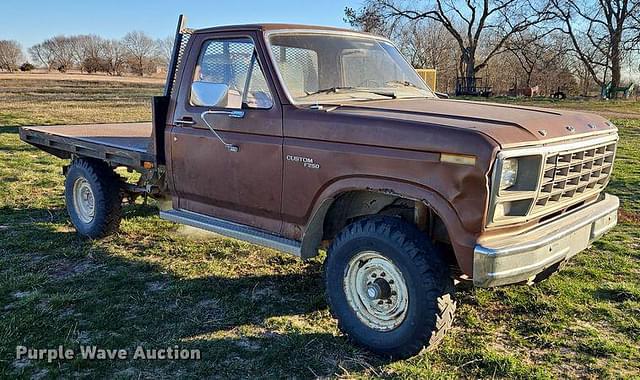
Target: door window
<point x="234" y="63"/>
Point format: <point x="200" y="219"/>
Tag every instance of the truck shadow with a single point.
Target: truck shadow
<point x="9" y="129"/>
<point x="265" y="319"/>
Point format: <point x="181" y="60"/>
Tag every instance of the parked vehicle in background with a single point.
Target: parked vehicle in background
<point x="302" y="138"/>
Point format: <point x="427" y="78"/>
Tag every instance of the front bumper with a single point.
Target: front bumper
<point x="520" y="257"/>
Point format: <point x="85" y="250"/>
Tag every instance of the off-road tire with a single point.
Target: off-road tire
<point x="105" y="186"/>
<point x="431" y="305"/>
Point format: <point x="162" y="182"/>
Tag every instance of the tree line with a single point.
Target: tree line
<point x="136" y="53"/>
<point x="578" y="46"/>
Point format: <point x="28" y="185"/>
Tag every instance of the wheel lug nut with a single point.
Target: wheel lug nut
<point x="380" y="302"/>
<point x="382" y="274"/>
<point x="390" y="282"/>
<point x="393" y="293"/>
<point x="373" y="275"/>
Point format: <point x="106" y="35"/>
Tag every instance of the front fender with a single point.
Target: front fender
<point x="462" y="240"/>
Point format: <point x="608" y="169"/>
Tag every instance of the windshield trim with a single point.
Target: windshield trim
<point x="269" y="33"/>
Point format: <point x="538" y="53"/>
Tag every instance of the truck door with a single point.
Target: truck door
<point x="232" y="167"/>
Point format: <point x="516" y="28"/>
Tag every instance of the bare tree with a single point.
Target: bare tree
<point x="165" y="49"/>
<point x="10" y="55"/>
<point x="41" y="53"/>
<point x="426" y="44"/>
<point x="141" y="51"/>
<point x="61" y="48"/>
<point x="585" y="80"/>
<point x="368" y="19"/>
<point x="87" y="50"/>
<point x="477" y="26"/>
<point x="535" y="51"/>
<point x="113" y="57"/>
<point x="602" y="32"/>
<point x="429" y="45"/>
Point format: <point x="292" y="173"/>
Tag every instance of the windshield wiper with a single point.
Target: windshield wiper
<point x="330" y="90"/>
<point x="337" y="89"/>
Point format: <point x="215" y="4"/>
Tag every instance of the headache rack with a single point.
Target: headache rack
<point x="179" y="46"/>
<point x="160" y="104"/>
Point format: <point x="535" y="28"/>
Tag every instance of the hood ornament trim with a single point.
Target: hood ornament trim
<point x="570" y="128"/>
<point x="543" y="132"/>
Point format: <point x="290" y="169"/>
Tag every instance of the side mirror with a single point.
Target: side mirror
<point x="207" y="94"/>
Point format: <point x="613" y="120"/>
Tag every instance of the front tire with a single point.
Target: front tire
<point x="388" y="287"/>
<point x="93" y="197"/>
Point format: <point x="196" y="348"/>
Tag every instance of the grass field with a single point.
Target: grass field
<point x="257" y="313"/>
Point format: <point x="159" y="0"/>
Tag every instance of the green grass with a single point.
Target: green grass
<point x="254" y="312"/>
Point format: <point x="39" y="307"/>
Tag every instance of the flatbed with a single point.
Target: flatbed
<point x="119" y="144"/>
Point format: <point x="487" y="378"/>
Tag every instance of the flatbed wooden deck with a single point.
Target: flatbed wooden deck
<point x="119" y="144"/>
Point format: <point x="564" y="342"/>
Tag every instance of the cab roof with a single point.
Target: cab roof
<point x="274" y="26"/>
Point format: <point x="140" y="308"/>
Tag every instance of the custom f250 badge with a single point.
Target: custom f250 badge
<point x="306" y="161"/>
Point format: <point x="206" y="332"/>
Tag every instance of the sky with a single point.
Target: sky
<point x="32" y="21"/>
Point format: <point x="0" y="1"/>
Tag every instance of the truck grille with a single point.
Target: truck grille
<point x="552" y="179"/>
<point x="574" y="173"/>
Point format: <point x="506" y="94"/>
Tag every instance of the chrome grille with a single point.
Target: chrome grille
<point x="573" y="173"/>
<point x="552" y="178"/>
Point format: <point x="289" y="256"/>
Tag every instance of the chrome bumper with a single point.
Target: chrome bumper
<point x="519" y="258"/>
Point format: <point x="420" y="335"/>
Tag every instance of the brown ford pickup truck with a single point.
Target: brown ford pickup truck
<point x="304" y="138"/>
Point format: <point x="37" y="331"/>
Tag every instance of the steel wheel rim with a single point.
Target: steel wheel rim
<point x="376" y="291"/>
<point x="83" y="200"/>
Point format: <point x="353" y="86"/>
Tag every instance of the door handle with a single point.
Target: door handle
<point x="232" y="114"/>
<point x="185" y="121"/>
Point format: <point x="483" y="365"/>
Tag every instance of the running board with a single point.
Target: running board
<point x="232" y="230"/>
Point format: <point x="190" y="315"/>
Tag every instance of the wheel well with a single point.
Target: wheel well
<point x="353" y="205"/>
<point x="350" y="206"/>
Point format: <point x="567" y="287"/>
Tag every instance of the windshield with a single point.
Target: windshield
<point x="327" y="68"/>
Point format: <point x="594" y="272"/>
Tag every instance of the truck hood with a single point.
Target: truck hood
<point x="508" y="125"/>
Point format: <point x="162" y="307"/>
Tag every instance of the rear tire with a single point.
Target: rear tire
<point x="93" y="197"/>
<point x="388" y="287"/>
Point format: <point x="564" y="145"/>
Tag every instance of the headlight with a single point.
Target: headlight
<point x="509" y="173"/>
<point x="514" y="185"/>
